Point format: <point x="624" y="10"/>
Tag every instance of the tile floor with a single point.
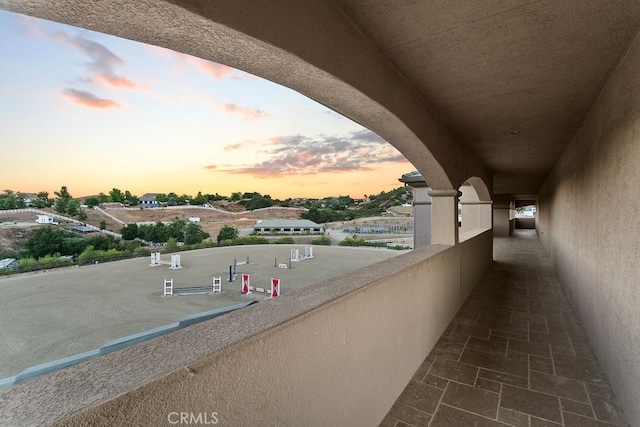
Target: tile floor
<point x="514" y="355"/>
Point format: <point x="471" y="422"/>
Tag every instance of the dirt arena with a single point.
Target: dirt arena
<point x="49" y="315"/>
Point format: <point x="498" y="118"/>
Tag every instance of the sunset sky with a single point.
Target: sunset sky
<point x="92" y="112"/>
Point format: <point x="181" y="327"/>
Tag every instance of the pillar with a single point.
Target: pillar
<point x="502" y="224"/>
<point x="421" y="217"/>
<point x="444" y="217"/>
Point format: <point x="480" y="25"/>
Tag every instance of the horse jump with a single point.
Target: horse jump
<point x="215" y="287"/>
<point x="308" y="254"/>
<point x="156" y="261"/>
<point x="273" y="292"/>
<point x="281" y="264"/>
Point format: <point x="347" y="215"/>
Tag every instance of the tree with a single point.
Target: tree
<point x="193" y="234"/>
<point x="176" y="228"/>
<point x="227" y="232"/>
<point x="116" y="195"/>
<point x="62" y="201"/>
<point x="43" y="200"/>
<point x="200" y="199"/>
<point x="73" y="207"/>
<point x="103" y="225"/>
<point x="48" y="241"/>
<point x="20" y="202"/>
<point x="92" y="202"/>
<point x="81" y="215"/>
<point x="103" y="242"/>
<point x="103" y="198"/>
<point x="130" y="198"/>
<point x="257" y="202"/>
<point x="8" y="202"/>
<point x="63" y="193"/>
<point x="60" y="205"/>
<point x="130" y="232"/>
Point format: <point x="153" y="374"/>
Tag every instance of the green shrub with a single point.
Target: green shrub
<point x="250" y="240"/>
<point x="285" y="241"/>
<point x="359" y="241"/>
<point x="322" y="241"/>
<point x="142" y="251"/>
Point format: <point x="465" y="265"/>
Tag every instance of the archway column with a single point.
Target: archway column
<point x="444" y="216"/>
<point x="421" y="217"/>
<point x="503" y="222"/>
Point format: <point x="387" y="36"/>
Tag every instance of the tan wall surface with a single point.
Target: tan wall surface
<point x="589" y="223"/>
<point x="294" y="360"/>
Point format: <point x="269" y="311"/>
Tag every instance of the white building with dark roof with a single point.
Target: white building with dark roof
<point x="148" y="200"/>
<point x="287" y="226"/>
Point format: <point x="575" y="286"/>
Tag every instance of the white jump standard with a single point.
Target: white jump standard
<point x="247" y="289"/>
<point x="308" y="254"/>
<point x="156" y="261"/>
<point x="215" y="287"/>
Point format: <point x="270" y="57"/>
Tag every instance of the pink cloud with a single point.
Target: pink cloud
<point x="248" y="113"/>
<point x="214" y="69"/>
<point x="211" y="167"/>
<point x="232" y="147"/>
<point x="88" y="99"/>
<point x="301" y="155"/>
<point x="218" y="71"/>
<point x="118" y="82"/>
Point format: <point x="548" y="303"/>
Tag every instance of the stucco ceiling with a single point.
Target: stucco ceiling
<point x="512" y="79"/>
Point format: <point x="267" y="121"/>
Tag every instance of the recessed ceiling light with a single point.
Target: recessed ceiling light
<point x="515" y="132"/>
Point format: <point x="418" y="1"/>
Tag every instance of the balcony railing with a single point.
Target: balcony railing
<point x="336" y="353"/>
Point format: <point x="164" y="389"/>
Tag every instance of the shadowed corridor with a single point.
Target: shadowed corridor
<point x="514" y="355"/>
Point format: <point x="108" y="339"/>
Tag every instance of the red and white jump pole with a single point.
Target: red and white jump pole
<point x="273" y="291"/>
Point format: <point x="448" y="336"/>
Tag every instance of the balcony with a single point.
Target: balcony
<point x="343" y="351"/>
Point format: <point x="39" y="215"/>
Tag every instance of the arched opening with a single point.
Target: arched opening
<point x="137" y="155"/>
<point x="474" y="208"/>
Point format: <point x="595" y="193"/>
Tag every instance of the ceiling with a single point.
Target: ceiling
<point x="512" y="79"/>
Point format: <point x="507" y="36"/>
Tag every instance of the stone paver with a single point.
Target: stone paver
<point x="514" y="355"/>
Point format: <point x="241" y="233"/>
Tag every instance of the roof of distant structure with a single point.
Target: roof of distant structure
<point x="148" y="196"/>
<point x="286" y="223"/>
<point x="82" y="228"/>
<point x="4" y="263"/>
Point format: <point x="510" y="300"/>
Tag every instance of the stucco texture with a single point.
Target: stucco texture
<point x="590" y="226"/>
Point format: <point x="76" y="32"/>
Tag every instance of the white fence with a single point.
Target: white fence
<point x="61" y="217"/>
<point x="211" y="208"/>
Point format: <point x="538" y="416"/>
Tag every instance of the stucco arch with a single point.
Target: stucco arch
<point x="301" y="45"/>
<point x="480" y="187"/>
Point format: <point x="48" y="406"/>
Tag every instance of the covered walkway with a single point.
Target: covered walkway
<point x="513" y="355"/>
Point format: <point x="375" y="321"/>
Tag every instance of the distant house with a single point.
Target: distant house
<point x="148" y="200"/>
<point x="45" y="219"/>
<point x="29" y="198"/>
<point x="194" y="219"/>
<point x="9" y="263"/>
<point x="287" y="226"/>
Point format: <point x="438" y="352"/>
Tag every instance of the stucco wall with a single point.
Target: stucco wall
<point x="287" y="361"/>
<point x="526" y="223"/>
<point x="589" y="222"/>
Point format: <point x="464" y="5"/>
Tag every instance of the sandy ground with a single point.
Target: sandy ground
<point x="49" y="315"/>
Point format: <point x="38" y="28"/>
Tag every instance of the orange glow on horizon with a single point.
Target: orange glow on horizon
<point x="355" y="184"/>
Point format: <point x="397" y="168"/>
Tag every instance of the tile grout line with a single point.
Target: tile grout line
<point x="433" y="416"/>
